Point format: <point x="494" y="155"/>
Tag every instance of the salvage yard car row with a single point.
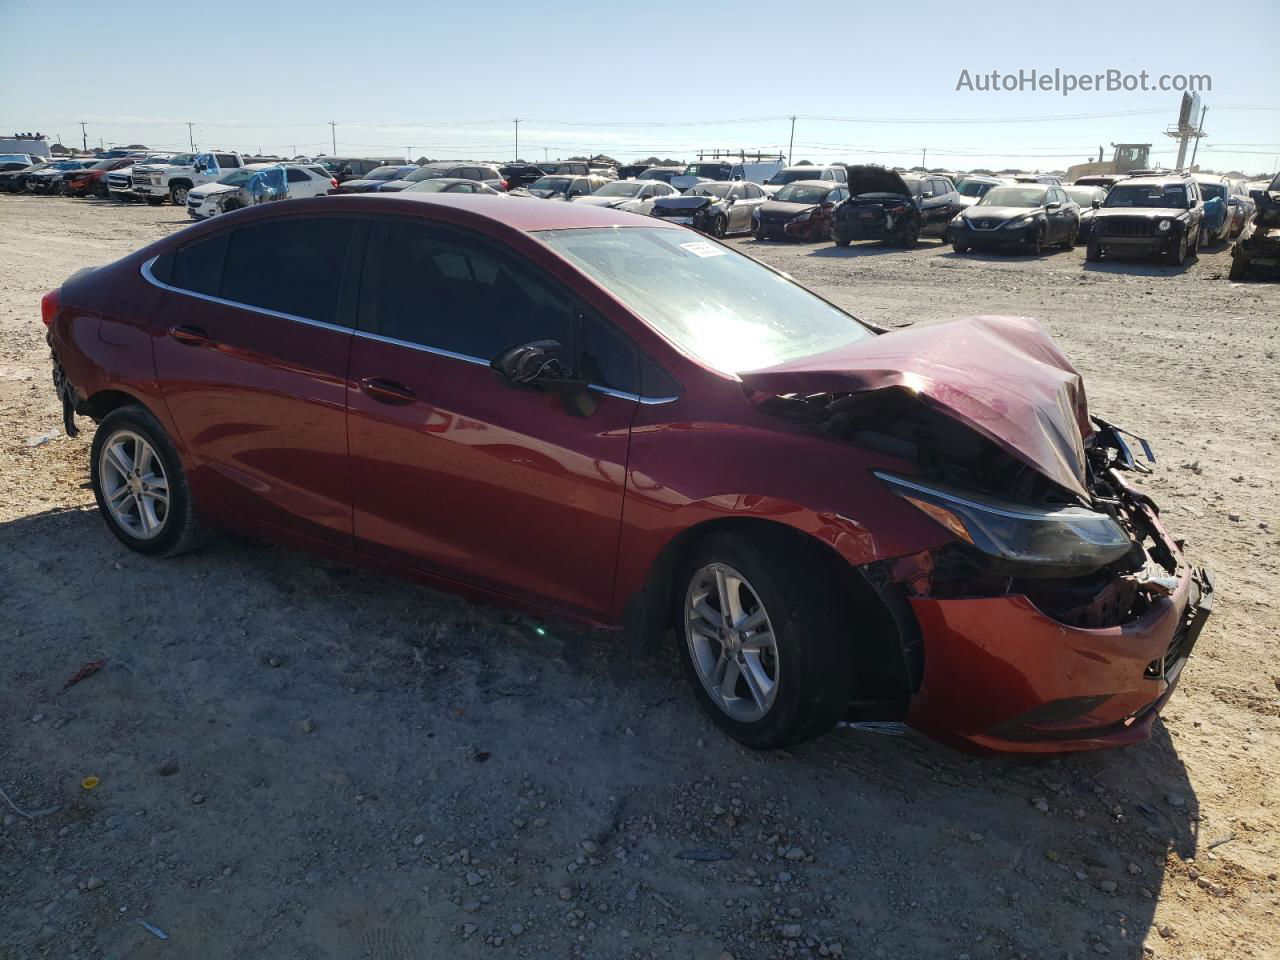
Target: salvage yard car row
<point x="1166" y="214"/>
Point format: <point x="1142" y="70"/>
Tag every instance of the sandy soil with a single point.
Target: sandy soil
<point x="300" y="761"/>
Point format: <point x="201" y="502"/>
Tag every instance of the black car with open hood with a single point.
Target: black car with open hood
<point x="880" y="207"/>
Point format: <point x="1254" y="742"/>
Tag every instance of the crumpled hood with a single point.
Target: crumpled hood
<point x="1001" y="376"/>
<point x="684" y="202"/>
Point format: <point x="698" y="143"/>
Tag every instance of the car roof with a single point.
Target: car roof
<point x="526" y="214"/>
<point x="1154" y="178"/>
<point x="826" y="184"/>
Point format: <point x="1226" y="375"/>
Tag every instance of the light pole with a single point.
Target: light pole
<point x="191" y="141"/>
<point x="84" y="137"/>
<point x="791" y="144"/>
<point x="333" y="129"/>
<point x="517" y="123"/>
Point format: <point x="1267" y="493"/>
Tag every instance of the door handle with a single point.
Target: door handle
<point x="387" y="391"/>
<point x="191" y="336"/>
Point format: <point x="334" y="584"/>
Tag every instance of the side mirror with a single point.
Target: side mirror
<point x="1096" y="204"/>
<point x="1053" y="205"/>
<point x="537" y="367"/>
<point x="927" y="195"/>
<point x="1193" y="204"/>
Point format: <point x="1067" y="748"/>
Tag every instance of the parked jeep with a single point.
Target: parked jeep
<point x="1161" y="215"/>
<point x="175" y="179"/>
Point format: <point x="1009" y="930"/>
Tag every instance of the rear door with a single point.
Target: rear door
<point x="252" y="358"/>
<point x="456" y="473"/>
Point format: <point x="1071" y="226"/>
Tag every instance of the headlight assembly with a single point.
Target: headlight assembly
<point x="1019" y="224"/>
<point x="1164" y="225"/>
<point x="1039" y="539"/>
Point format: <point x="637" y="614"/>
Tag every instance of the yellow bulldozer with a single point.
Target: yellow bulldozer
<point x="1127" y="156"/>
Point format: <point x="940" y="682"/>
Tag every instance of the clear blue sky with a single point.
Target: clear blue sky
<point x="636" y="79"/>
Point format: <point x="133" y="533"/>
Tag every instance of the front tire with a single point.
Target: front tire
<point x="1239" y="269"/>
<point x="719" y="226"/>
<point x="178" y="195"/>
<point x="1093" y="252"/>
<point x="140" y="487"/>
<point x="778" y="668"/>
<point x="1036" y="245"/>
<point x="959" y="247"/>
<point x="1177" y="254"/>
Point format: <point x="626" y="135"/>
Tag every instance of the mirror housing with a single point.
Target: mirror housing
<point x="927" y="195"/>
<point x="1053" y="205"/>
<point x="537" y="366"/>
<point x="1096" y="204"/>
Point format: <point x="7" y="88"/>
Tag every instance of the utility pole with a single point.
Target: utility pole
<point x="1199" y="134"/>
<point x="517" y="123"/>
<point x="191" y="140"/>
<point x="924" y="152"/>
<point x="333" y="129"/>
<point x="408" y="153"/>
<point x="544" y="155"/>
<point x="84" y="137"/>
<point x="791" y="144"/>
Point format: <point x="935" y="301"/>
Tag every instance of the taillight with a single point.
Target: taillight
<point x="49" y="304"/>
<point x="333" y="182"/>
<point x="505" y="185"/>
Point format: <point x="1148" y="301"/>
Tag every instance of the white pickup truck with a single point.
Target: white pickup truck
<point x="173" y="180"/>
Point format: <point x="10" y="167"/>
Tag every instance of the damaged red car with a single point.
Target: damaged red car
<point x="597" y="416"/>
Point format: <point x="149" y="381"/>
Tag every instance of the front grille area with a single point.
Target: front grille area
<point x="1126" y="227"/>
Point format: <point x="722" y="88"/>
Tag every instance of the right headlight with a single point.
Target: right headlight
<point x="1043" y="538"/>
<point x="1164" y="225"/>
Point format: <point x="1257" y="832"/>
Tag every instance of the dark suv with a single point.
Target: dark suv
<point x="1159" y="215"/>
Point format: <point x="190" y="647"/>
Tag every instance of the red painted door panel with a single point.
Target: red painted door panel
<point x="474" y="480"/>
<point x="262" y="408"/>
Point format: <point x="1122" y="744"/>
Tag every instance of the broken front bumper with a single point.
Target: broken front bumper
<point x="1001" y="675"/>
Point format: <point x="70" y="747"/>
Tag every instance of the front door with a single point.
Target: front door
<point x="455" y="472"/>
<point x="253" y="355"/>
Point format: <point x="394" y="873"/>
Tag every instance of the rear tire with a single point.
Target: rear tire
<point x="1072" y="235"/>
<point x="154" y="201"/>
<point x="142" y="492"/>
<point x="842" y="243"/>
<point x="785" y="673"/>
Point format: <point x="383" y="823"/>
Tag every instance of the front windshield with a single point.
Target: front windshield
<point x="973" y="188"/>
<point x="1211" y="191"/>
<point x="787" y="176"/>
<point x="713" y="303"/>
<point x="237" y="177"/>
<point x="384" y="173"/>
<point x="708" y="190"/>
<point x="654" y="173"/>
<point x="426" y="173"/>
<point x="1013" y="197"/>
<point x="711" y="171"/>
<point x="103" y="165"/>
<point x="802" y="193"/>
<point x="182" y="160"/>
<point x="552" y="184"/>
<point x="1157" y="195"/>
<point x="438" y="185"/>
<point x="620" y="188"/>
<point x="1085" y="195"/>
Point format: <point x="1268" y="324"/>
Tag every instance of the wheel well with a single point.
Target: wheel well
<point x="883" y="633"/>
<point x="103" y="402"/>
<point x="180" y="182"/>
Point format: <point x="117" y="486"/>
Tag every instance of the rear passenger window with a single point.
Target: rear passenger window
<point x="227" y="161"/>
<point x="198" y="266"/>
<point x="294" y="175"/>
<point x="291" y="266"/>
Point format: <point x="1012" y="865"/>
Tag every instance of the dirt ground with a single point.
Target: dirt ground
<point x="297" y="761"/>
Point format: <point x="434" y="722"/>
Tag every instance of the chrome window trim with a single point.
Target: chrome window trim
<point x="266" y="311"/>
<point x="393" y="341"/>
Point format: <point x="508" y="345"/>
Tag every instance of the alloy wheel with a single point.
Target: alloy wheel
<point x="179" y="196"/>
<point x="135" y="487"/>
<point x="731" y="642"/>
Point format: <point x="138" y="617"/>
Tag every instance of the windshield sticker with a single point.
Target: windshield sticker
<point x="701" y="248"/>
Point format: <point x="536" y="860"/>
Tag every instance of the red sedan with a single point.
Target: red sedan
<point x="92" y="179"/>
<point x="597" y="416"/>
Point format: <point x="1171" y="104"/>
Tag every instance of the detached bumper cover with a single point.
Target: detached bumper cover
<point x="1001" y="675"/>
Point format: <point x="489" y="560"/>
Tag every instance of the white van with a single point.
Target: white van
<point x="718" y="171"/>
